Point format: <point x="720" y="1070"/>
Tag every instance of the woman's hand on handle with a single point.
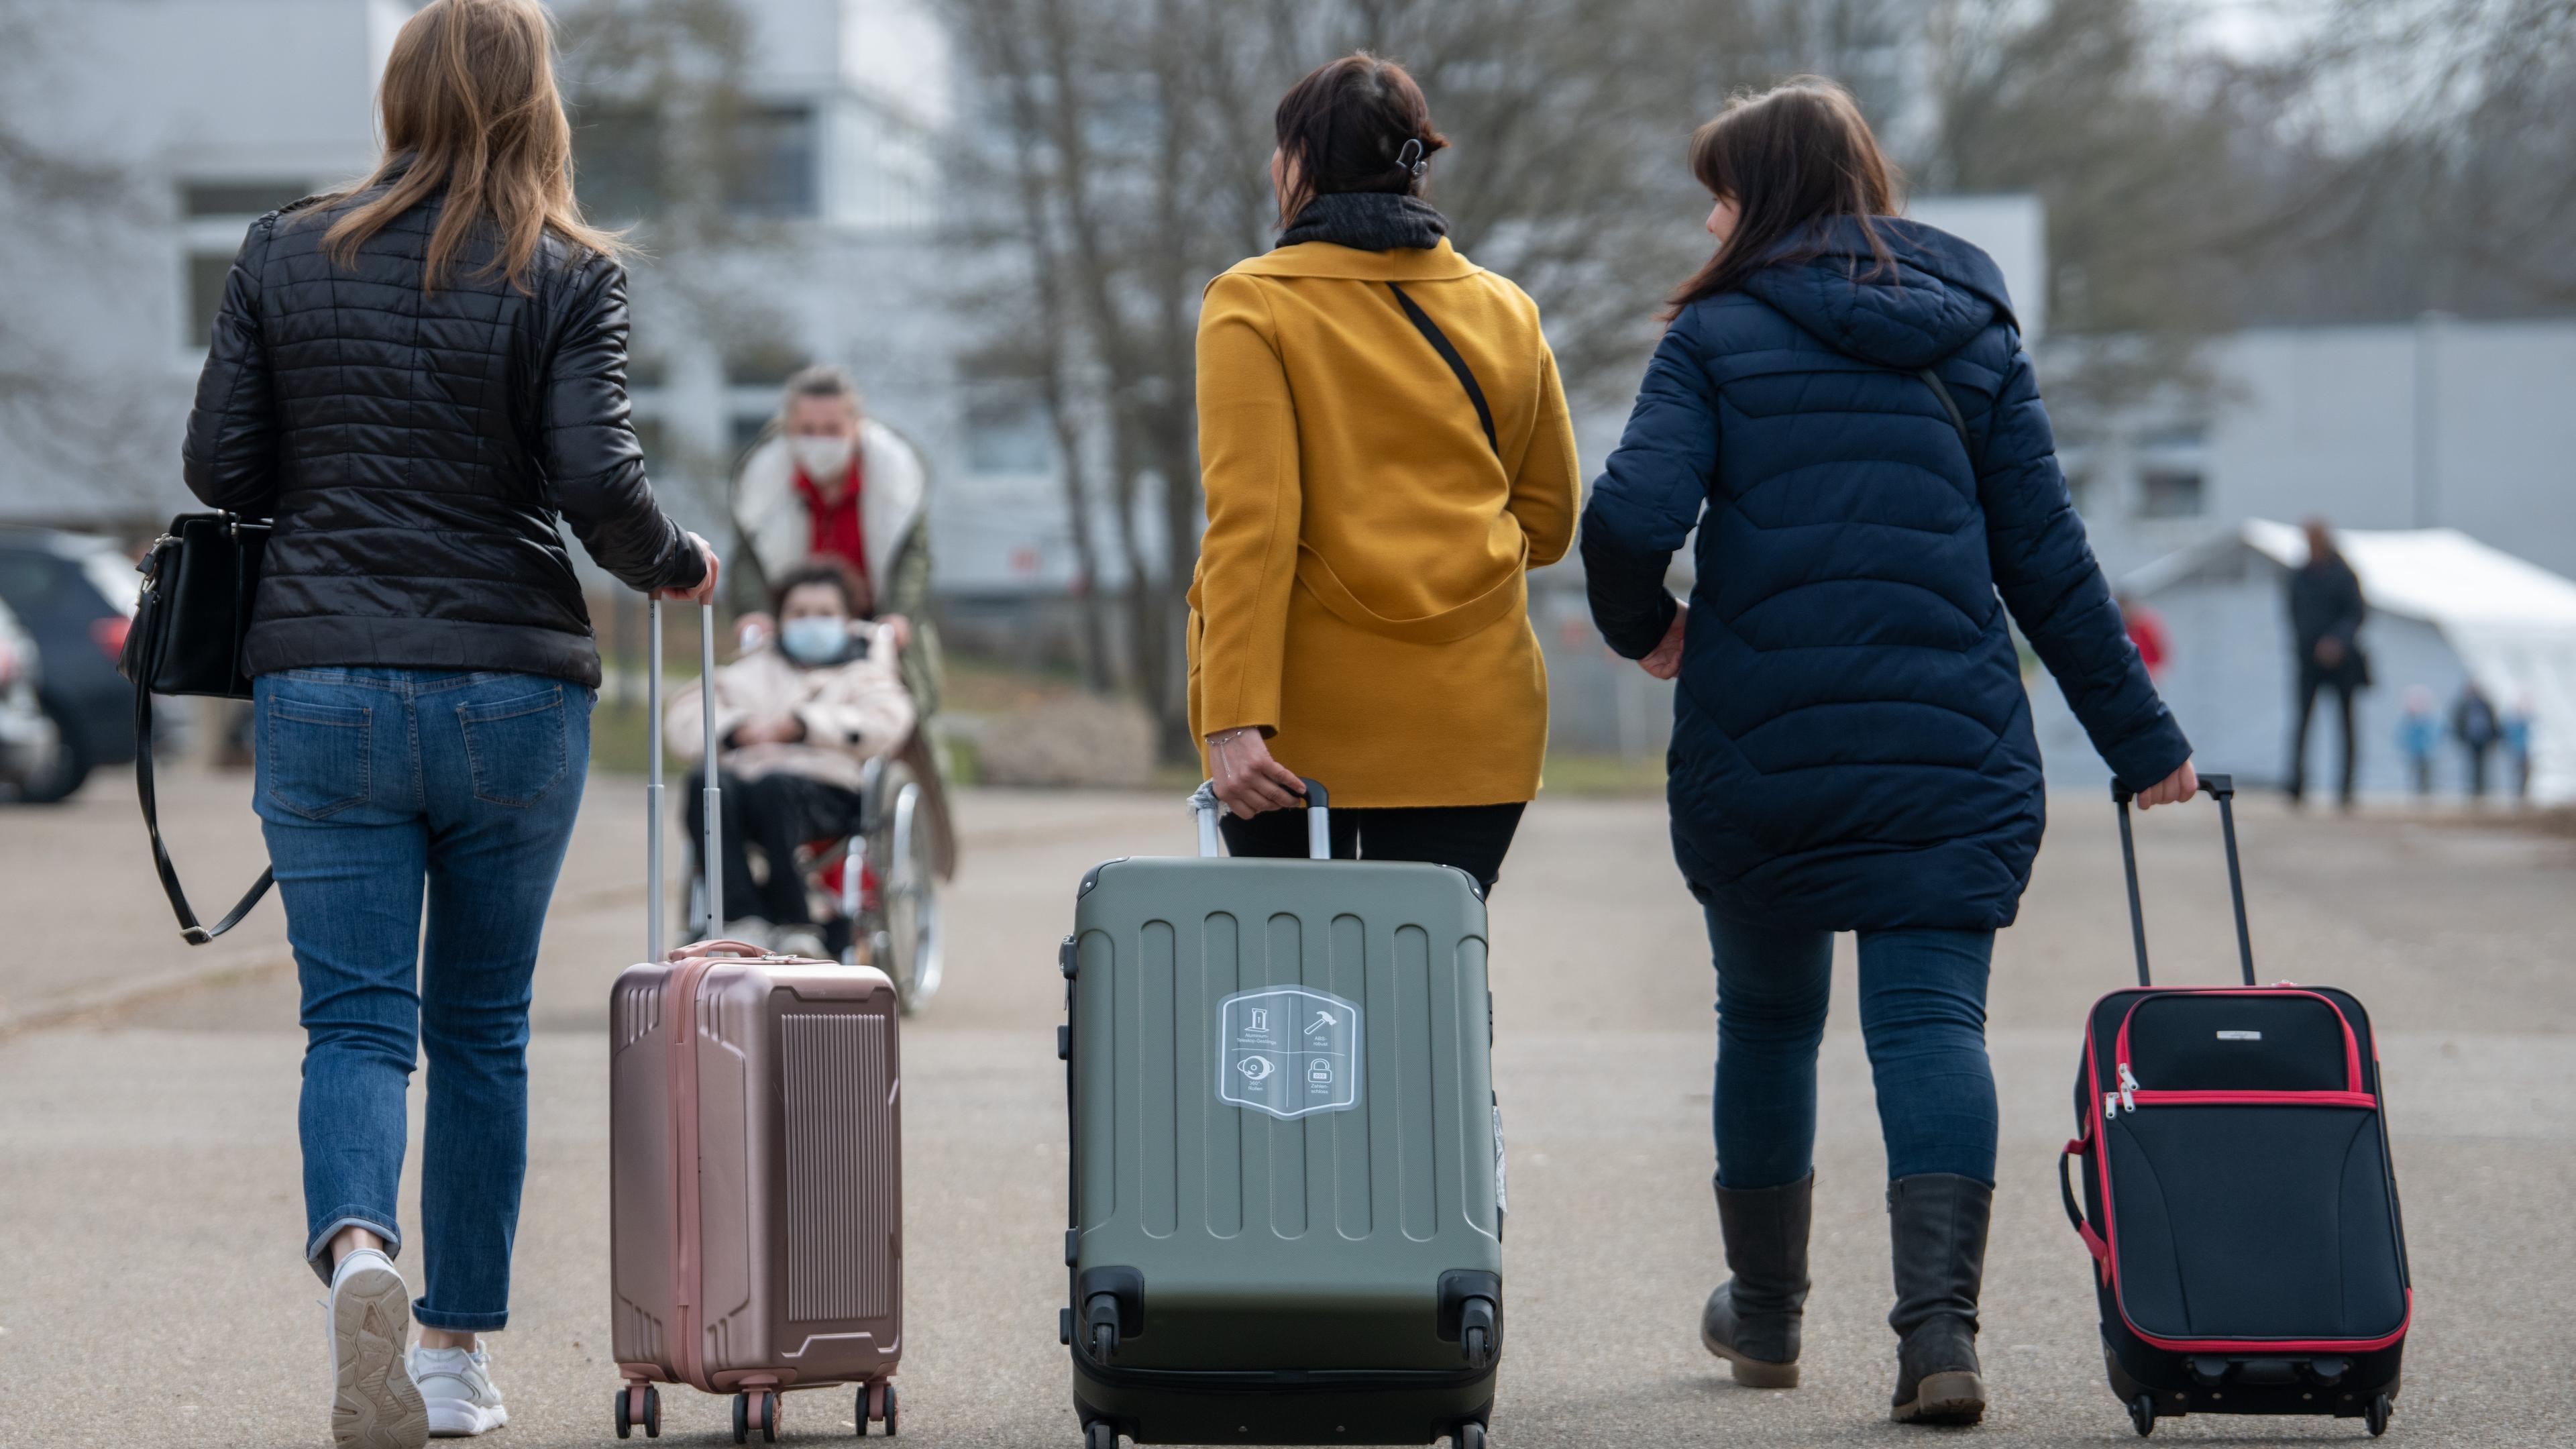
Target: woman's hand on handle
<point x="1247" y="780"/>
<point x="1665" y="659"/>
<point x="705" y="590"/>
<point x="2173" y="789"/>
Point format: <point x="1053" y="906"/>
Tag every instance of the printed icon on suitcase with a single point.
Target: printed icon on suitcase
<point x="1305" y="1070"/>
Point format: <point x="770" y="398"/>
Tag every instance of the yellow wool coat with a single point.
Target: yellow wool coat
<point x="1362" y="591"/>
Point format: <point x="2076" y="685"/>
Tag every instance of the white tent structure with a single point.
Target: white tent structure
<point x="2445" y="609"/>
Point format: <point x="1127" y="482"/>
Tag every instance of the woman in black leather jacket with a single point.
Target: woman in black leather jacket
<point x="416" y="378"/>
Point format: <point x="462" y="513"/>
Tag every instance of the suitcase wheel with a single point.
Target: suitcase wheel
<point x="639" y="1404"/>
<point x="2376" y="1416"/>
<point x="1100" y="1434"/>
<point x="1469" y="1435"/>
<point x="756" y="1411"/>
<point x="2142" y="1414"/>
<point x="878" y="1403"/>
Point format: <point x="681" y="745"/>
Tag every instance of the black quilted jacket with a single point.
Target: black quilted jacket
<point x="415" y="450"/>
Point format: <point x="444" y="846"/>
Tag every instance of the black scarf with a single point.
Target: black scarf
<point x="1369" y="221"/>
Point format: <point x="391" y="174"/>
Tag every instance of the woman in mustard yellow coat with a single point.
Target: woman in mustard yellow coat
<point x="1386" y="453"/>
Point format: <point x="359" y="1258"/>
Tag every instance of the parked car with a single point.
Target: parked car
<point x="30" y="745"/>
<point x="75" y="594"/>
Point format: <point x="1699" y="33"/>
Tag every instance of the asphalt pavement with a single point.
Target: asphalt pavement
<point x="151" y="1293"/>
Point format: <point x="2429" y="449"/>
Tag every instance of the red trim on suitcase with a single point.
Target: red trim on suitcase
<point x="2146" y="1097"/>
<point x="2273" y="1345"/>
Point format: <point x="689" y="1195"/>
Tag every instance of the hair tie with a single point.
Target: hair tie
<point x="1410" y="158"/>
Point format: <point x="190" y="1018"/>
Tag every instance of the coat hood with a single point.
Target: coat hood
<point x="1940" y="293"/>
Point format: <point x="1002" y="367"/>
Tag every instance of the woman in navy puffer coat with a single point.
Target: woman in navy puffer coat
<point x="1843" y="409"/>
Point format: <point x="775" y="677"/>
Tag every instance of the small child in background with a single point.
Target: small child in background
<point x="2517" y="744"/>
<point x="2419" y="733"/>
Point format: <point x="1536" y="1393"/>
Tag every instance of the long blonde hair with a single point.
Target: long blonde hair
<point x="469" y="105"/>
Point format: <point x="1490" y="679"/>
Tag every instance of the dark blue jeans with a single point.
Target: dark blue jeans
<point x="378" y="787"/>
<point x="1922" y="1015"/>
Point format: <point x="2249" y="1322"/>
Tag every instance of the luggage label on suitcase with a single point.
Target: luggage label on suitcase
<point x="2238" y="1201"/>
<point x="1285" y="1175"/>
<point x="756" y="1235"/>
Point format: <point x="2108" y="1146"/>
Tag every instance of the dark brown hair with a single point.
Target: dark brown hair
<point x="1344" y="126"/>
<point x="824" y="569"/>
<point x="469" y="107"/>
<point x="1787" y="157"/>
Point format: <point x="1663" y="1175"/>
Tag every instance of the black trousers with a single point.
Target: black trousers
<point x="2312" y="679"/>
<point x="1474" y="838"/>
<point x="774" y="815"/>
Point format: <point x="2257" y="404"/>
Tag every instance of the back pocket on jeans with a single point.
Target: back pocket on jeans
<point x="314" y="758"/>
<point x="515" y="746"/>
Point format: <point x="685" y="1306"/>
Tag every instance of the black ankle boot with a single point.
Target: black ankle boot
<point x="1937" y="1227"/>
<point x="1751" y="1321"/>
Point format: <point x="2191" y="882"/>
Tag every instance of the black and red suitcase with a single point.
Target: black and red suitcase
<point x="2238" y="1198"/>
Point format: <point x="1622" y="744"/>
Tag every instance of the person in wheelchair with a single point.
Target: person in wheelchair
<point x="799" y="716"/>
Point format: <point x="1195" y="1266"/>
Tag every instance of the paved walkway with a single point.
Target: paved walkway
<point x="149" y="1217"/>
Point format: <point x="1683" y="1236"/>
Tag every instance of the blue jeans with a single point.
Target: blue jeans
<point x="376" y="785"/>
<point x="1922" y="1015"/>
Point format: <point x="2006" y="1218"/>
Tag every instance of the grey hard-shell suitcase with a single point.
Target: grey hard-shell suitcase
<point x="1287" y="1191"/>
<point x="756" y="1172"/>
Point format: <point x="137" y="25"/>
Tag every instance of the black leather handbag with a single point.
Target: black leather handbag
<point x="189" y="620"/>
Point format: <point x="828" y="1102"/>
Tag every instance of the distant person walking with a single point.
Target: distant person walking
<point x="2517" y="746"/>
<point x="1386" y="453"/>
<point x="2474" y="725"/>
<point x="2419" y="734"/>
<point x="1842" y="408"/>
<point x="2326" y="613"/>
<point x="417" y="377"/>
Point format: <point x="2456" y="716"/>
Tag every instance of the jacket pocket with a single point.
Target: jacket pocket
<point x="314" y="759"/>
<point x="515" y="747"/>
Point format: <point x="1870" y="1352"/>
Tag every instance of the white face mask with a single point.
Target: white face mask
<point x="824" y="457"/>
<point x="815" y="639"/>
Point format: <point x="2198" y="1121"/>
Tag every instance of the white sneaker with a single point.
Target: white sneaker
<point x="798" y="941"/>
<point x="457" y="1385"/>
<point x="749" y="930"/>
<point x="374" y="1403"/>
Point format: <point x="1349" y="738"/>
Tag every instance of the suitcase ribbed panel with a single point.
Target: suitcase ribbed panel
<point x="639" y="1011"/>
<point x="838" y="1158"/>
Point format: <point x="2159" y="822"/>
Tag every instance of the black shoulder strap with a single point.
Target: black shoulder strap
<point x="1950" y="405"/>
<point x="1439" y="341"/>
<point x="195" y="934"/>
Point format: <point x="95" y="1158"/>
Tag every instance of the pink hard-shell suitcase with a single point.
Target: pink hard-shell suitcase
<point x="757" y="1165"/>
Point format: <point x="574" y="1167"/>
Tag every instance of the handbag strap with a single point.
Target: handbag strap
<point x="1950" y="405"/>
<point x="1439" y="341"/>
<point x="195" y="934"/>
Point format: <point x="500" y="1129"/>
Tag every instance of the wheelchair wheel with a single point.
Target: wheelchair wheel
<point x="906" y="929"/>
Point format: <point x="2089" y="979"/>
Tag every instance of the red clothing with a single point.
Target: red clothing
<point x="838" y="528"/>
<point x="2147" y="632"/>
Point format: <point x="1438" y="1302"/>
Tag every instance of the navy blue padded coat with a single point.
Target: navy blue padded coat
<point x="1852" y="745"/>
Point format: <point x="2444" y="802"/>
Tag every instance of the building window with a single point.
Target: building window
<point x="207" y="274"/>
<point x="239" y="198"/>
<point x="747" y="428"/>
<point x="2171" y="493"/>
<point x="617" y="164"/>
<point x="1007" y="430"/>
<point x="656" y="443"/>
<point x="647" y="370"/>
<point x="775" y="167"/>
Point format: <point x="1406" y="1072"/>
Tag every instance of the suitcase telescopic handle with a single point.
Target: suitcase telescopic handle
<point x="1319" y="822"/>
<point x="710" y="799"/>
<point x="2221" y="788"/>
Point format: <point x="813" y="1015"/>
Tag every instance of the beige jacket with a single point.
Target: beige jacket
<point x="853" y="713"/>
